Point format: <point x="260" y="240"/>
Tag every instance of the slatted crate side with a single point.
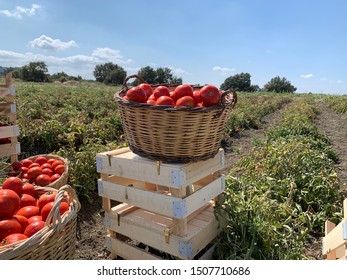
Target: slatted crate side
<point x="7" y="91"/>
<point x="161" y="202"/>
<point x="9" y="131"/>
<point x="7" y="108"/>
<point x="126" y="164"/>
<point x="154" y="230"/>
<point x="335" y="239"/>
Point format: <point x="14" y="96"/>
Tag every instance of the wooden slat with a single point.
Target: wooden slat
<point x="130" y="165"/>
<point x="7" y="91"/>
<point x="334" y="238"/>
<point x="9" y="131"/>
<point x="7" y="108"/>
<point x="9" y="149"/>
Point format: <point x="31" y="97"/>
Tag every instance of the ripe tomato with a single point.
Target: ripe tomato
<point x="182" y="90"/>
<point x="46" y="165"/>
<point x="29" y="189"/>
<point x="23" y="170"/>
<point x="16" y="165"/>
<point x="35" y="164"/>
<point x="34" y="172"/>
<point x="185" y="101"/>
<point x="40" y="160"/>
<point x="43" y="179"/>
<point x="26" y="162"/>
<point x="28" y="211"/>
<point x="34" y="227"/>
<point x="9" y="203"/>
<point x="59" y="169"/>
<point x="137" y="94"/>
<point x="13" y="183"/>
<point x="12" y="238"/>
<point x="147" y="88"/>
<point x="47" y="171"/>
<point x="151" y="101"/>
<point x="48" y="207"/>
<point x="45" y="198"/>
<point x="8" y="227"/>
<point x="210" y="95"/>
<point x="34" y="219"/>
<point x="50" y="161"/>
<point x="27" y="200"/>
<point x="56" y="162"/>
<point x="23" y="221"/>
<point x="197" y="96"/>
<point x="161" y="91"/>
<point x="165" y="101"/>
<point x="54" y="177"/>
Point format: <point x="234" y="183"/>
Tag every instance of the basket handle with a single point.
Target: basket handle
<point x="124" y="87"/>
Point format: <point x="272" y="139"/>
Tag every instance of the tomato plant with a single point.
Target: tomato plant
<point x="9" y="203"/>
<point x="210" y="95"/>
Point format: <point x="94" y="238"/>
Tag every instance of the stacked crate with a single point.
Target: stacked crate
<point x="155" y="210"/>
<point x="9" y="131"/>
<point x="335" y="240"/>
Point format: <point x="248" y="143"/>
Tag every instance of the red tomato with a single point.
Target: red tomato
<point x="161" y="91"/>
<point x="16" y="165"/>
<point x="26" y="162"/>
<point x="47" y="171"/>
<point x="34" y="172"/>
<point x="8" y="227"/>
<point x="34" y="219"/>
<point x="59" y="169"/>
<point x="40" y="160"/>
<point x="12" y="238"/>
<point x="57" y="162"/>
<point x="45" y="198"/>
<point x="23" y="170"/>
<point x="210" y="95"/>
<point x="27" y="200"/>
<point x="165" y="101"/>
<point x="9" y="203"/>
<point x="35" y="164"/>
<point x="34" y="227"/>
<point x="28" y="211"/>
<point x="151" y="101"/>
<point x="54" y="178"/>
<point x="23" y="221"/>
<point x="13" y="183"/>
<point x="137" y="94"/>
<point x="147" y="88"/>
<point x="199" y="105"/>
<point x="182" y="90"/>
<point x="197" y="96"/>
<point x="48" y="207"/>
<point x="185" y="101"/>
<point x="29" y="189"/>
<point x="46" y="165"/>
<point x="50" y="161"/>
<point x="43" y="179"/>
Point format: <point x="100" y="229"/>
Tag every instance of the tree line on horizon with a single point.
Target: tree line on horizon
<point x="113" y="74"/>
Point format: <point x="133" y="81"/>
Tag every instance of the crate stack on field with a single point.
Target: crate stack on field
<point x="9" y="131"/>
<point x="335" y="240"/>
<point x="159" y="192"/>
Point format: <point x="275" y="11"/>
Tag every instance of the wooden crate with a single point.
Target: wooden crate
<point x="8" y="113"/>
<point x="173" y="190"/>
<point x="135" y="233"/>
<point x="335" y="240"/>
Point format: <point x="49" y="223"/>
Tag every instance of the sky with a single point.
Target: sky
<point x="203" y="42"/>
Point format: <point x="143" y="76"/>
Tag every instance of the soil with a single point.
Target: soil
<point x="90" y="227"/>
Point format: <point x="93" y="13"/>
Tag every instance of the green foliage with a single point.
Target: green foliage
<point x="278" y="84"/>
<point x="162" y="75"/>
<point x="109" y="73"/>
<point x="34" y="72"/>
<point x="281" y="193"/>
<point x="239" y="82"/>
<point x="63" y="77"/>
<point x="337" y="103"/>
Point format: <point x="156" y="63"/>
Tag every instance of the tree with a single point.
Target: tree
<point x="162" y="75"/>
<point x="238" y="82"/>
<point x="278" y="84"/>
<point x="148" y="74"/>
<point x="34" y="72"/>
<point x="109" y="73"/>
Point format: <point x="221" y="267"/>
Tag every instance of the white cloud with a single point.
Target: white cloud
<point x="47" y="43"/>
<point x="223" y="70"/>
<point x="82" y="65"/>
<point x="19" y="12"/>
<point x="177" y="70"/>
<point x="307" y="76"/>
<point x="339" y="82"/>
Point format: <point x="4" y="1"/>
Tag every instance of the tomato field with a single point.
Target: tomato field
<point x="286" y="171"/>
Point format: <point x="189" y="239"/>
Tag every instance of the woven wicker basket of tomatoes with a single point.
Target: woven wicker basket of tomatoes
<point x="44" y="170"/>
<point x="174" y="123"/>
<point x="40" y="228"/>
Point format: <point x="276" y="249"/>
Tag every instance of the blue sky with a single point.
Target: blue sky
<point x="202" y="41"/>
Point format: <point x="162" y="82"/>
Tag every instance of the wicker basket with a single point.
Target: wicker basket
<point x="173" y="134"/>
<point x="56" y="241"/>
<point x="62" y="180"/>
